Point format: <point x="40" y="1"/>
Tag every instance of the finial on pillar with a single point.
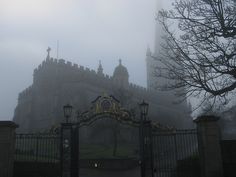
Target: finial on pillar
<point x="100" y="69"/>
<point x="48" y="51"/>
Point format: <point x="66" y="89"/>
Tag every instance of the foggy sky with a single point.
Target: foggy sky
<point x="87" y="30"/>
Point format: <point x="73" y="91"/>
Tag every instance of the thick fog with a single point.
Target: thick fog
<point x="87" y="31"/>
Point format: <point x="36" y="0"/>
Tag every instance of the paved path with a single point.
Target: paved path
<point x="135" y="172"/>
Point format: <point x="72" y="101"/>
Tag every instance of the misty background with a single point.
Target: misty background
<point x="87" y="31"/>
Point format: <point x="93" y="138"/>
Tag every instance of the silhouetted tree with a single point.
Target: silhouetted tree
<point x="199" y="52"/>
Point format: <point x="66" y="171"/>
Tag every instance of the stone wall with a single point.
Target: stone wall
<point x="7" y="148"/>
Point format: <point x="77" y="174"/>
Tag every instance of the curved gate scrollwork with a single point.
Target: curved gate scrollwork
<point x="107" y="106"/>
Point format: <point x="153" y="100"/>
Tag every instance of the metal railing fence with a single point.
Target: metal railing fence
<point x="40" y="147"/>
<point x="172" y="150"/>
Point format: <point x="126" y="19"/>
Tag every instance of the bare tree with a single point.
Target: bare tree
<point x="199" y="52"/>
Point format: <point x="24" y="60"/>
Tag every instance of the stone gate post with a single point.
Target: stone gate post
<point x="7" y="148"/>
<point x="209" y="146"/>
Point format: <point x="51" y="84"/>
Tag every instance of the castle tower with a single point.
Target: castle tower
<point x="150" y="65"/>
<point x="157" y="77"/>
<point x="121" y="76"/>
<point x="154" y="81"/>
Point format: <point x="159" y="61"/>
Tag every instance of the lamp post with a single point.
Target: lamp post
<point x="143" y="111"/>
<point x="66" y="142"/>
<point x="70" y="138"/>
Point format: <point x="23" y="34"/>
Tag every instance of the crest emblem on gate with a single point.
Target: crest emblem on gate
<point x="106" y="104"/>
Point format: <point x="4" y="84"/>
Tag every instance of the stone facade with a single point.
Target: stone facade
<point x="57" y="82"/>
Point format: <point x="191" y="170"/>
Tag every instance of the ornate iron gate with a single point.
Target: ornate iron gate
<point x="37" y="155"/>
<point x="175" y="153"/>
<point x="102" y="107"/>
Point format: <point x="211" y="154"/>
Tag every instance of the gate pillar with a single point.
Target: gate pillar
<point x="146" y="149"/>
<point x="7" y="147"/>
<point x="69" y="150"/>
<point x="209" y="146"/>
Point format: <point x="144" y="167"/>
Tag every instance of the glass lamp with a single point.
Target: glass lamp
<point x="144" y="108"/>
<point x="67" y="111"/>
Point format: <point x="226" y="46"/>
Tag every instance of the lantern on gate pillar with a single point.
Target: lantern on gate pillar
<point x="144" y="110"/>
<point x="69" y="145"/>
<point x="67" y="112"/>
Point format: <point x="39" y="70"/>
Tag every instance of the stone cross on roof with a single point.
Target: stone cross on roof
<point x="100" y="69"/>
<point x="48" y="51"/>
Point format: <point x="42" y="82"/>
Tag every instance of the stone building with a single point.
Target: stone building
<point x="57" y="82"/>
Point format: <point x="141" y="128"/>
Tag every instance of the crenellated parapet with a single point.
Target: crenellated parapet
<point x="143" y="92"/>
<point x="49" y="63"/>
<point x="137" y="87"/>
<point x="52" y="73"/>
<point x="66" y="71"/>
<point x="63" y="71"/>
<point x="25" y="94"/>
